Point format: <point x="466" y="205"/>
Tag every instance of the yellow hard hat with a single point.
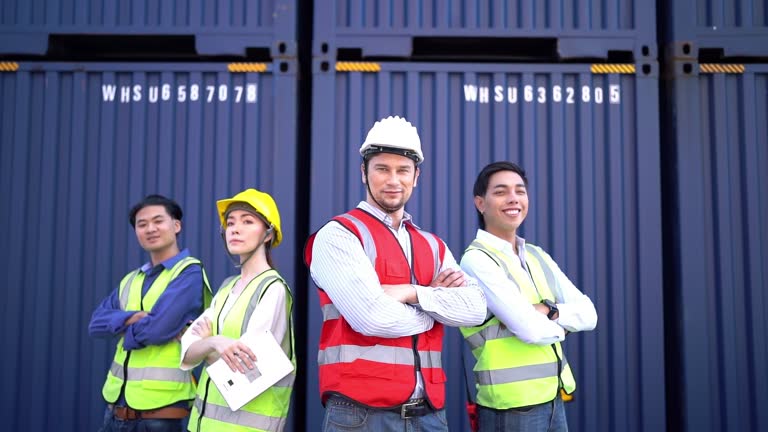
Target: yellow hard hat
<point x="261" y="202"/>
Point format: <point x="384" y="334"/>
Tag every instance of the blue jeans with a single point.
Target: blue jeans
<point x="114" y="424"/>
<point x="344" y="416"/>
<point x="546" y="417"/>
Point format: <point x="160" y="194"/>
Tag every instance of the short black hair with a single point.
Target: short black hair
<point x="484" y="178"/>
<point x="171" y="206"/>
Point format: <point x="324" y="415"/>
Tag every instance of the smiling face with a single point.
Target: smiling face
<point x="391" y="179"/>
<point x="504" y="205"/>
<point x="155" y="229"/>
<point x="245" y="232"/>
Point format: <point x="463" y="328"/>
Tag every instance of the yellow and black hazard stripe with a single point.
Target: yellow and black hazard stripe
<point x="247" y="67"/>
<point x="9" y="66"/>
<point x="612" y="68"/>
<point x="344" y="66"/>
<point x="713" y="68"/>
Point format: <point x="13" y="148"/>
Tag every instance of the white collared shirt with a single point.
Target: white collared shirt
<point x="508" y="304"/>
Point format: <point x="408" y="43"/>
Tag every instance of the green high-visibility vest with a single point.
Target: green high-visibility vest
<point x="269" y="410"/>
<point x="154" y="379"/>
<point x="509" y="372"/>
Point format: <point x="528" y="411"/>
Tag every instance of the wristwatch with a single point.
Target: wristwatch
<point x="552" y="307"/>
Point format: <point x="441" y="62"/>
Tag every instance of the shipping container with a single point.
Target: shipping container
<point x="395" y="28"/>
<point x="81" y="143"/>
<point x="716" y="155"/>
<point x="218" y="27"/>
<point x="730" y="28"/>
<point x="588" y="136"/>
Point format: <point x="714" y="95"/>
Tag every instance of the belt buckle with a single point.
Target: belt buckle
<point x="404" y="407"/>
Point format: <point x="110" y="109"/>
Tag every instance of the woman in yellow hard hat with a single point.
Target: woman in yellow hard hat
<point x="254" y="301"/>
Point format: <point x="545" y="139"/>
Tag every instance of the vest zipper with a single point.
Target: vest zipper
<point x="125" y="378"/>
<point x="205" y="404"/>
<point x="559" y="371"/>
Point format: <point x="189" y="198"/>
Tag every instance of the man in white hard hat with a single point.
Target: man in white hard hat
<point x="386" y="288"/>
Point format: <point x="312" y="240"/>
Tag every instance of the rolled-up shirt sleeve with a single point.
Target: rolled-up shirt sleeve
<point x="341" y="268"/>
<point x="506" y="302"/>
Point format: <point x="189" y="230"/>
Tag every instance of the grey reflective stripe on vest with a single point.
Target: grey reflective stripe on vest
<point x="150" y="373"/>
<point x="554" y="287"/>
<point x="519" y="373"/>
<point x="286" y="381"/>
<point x="477" y="245"/>
<point x="368" y="244"/>
<point x="240" y="417"/>
<point x="496" y="331"/>
<point x="435" y="250"/>
<point x="378" y="353"/>
<point x="330" y="312"/>
<point x="126" y="290"/>
<point x="254" y="301"/>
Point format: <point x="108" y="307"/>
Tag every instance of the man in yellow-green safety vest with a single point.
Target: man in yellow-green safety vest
<point x="521" y="371"/>
<point x="145" y="389"/>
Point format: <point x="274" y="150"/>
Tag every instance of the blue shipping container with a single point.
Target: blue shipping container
<point x="738" y="27"/>
<point x="717" y="155"/>
<point x="220" y="26"/>
<point x="584" y="29"/>
<point x="81" y="143"/>
<point x="590" y="144"/>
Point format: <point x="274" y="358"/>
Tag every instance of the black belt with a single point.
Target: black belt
<point x="413" y="408"/>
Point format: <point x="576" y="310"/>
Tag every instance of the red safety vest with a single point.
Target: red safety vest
<point x="374" y="371"/>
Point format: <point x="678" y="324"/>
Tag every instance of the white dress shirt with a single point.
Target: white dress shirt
<point x="509" y="305"/>
<point x="269" y="314"/>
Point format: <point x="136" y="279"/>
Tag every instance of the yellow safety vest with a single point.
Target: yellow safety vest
<point x="509" y="372"/>
<point x="269" y="410"/>
<point x="154" y="379"/>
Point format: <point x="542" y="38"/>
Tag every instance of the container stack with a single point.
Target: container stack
<point x="105" y="102"/>
<point x="569" y="93"/>
<point x="715" y="148"/>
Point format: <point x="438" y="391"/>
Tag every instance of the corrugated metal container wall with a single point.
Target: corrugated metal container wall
<point x="590" y="145"/>
<point x="585" y="29"/>
<point x="719" y="269"/>
<point x="738" y="27"/>
<point x="219" y="27"/>
<point x="81" y="143"/>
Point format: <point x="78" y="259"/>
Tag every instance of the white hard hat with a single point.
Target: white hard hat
<point x="393" y="135"/>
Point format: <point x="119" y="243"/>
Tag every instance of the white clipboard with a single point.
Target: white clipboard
<point x="271" y="366"/>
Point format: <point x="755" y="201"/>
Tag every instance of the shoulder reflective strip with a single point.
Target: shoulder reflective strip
<point x="368" y="245"/>
<point x="330" y="312"/>
<point x="358" y="67"/>
<point x="240" y="417"/>
<point x="376" y="353"/>
<point x="9" y="66"/>
<point x="126" y="291"/>
<point x="621" y="68"/>
<point x="722" y="68"/>
<point x="500" y="262"/>
<point x="182" y="265"/>
<point x="254" y="301"/>
<point x="435" y="250"/>
<point x="516" y="374"/>
<point x="151" y="373"/>
<point x="247" y="67"/>
<point x="554" y="286"/>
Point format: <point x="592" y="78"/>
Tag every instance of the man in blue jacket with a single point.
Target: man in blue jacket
<point x="145" y="389"/>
